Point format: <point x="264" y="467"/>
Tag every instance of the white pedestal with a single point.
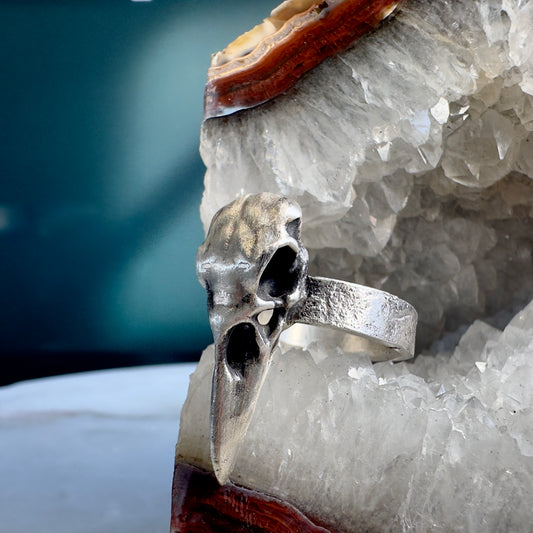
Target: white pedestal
<point x="92" y="452"/>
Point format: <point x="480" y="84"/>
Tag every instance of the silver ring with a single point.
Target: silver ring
<point x="362" y="312"/>
<point x="253" y="266"/>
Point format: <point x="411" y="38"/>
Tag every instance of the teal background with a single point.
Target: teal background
<point x="101" y="180"/>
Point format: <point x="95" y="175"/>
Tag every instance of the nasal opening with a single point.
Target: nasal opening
<point x="242" y="349"/>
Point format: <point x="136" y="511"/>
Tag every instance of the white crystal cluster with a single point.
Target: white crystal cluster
<point x="411" y="155"/>
<point x="444" y="443"/>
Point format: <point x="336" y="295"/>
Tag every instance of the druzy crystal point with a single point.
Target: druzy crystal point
<point x="411" y="155"/>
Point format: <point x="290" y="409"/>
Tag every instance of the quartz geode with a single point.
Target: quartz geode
<point x="441" y="444"/>
<point x="411" y="155"/>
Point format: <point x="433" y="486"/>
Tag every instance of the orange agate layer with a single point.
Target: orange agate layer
<point x="270" y="58"/>
<point x="200" y="504"/>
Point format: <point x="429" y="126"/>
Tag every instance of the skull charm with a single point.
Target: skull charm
<point x="254" y="269"/>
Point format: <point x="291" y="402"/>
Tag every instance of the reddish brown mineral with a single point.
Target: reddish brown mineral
<point x="270" y="58"/>
<point x="201" y="505"/>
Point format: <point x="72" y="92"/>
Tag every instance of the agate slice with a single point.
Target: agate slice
<point x="269" y="59"/>
<point x="200" y="504"/>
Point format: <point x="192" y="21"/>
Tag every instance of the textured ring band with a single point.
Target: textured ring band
<point x="363" y="311"/>
<point x="253" y="266"/>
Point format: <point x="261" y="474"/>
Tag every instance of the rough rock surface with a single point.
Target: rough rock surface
<point x="444" y="443"/>
<point x="411" y="155"/>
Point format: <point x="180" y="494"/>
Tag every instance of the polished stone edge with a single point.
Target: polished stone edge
<point x="279" y="60"/>
<point x="200" y="504"/>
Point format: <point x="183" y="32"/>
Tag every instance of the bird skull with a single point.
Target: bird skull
<point x="253" y="267"/>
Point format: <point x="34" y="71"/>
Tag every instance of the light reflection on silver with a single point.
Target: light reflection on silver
<point x="250" y="307"/>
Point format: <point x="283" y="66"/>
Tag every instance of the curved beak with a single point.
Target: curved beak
<point x="242" y="362"/>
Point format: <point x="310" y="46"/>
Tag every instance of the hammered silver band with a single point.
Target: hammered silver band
<point x="377" y="316"/>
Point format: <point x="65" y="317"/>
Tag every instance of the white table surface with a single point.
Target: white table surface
<point x="91" y="452"/>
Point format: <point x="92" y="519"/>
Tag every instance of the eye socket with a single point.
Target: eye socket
<point x="210" y="296"/>
<point x="280" y="276"/>
<point x="242" y="348"/>
<point x="293" y="228"/>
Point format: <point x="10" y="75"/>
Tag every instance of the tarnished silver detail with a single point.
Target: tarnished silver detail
<point x="370" y="313"/>
<point x="254" y="268"/>
<point x="251" y="263"/>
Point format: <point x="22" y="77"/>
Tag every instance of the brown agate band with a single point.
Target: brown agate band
<point x="270" y="58"/>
